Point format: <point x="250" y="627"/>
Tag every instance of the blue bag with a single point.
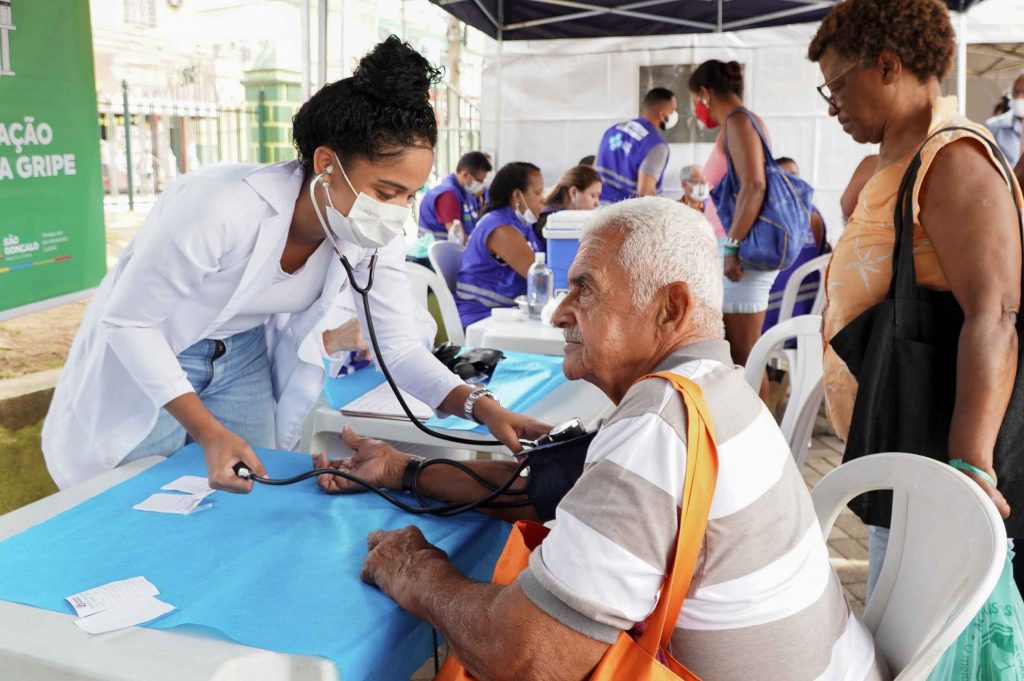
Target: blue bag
<point x="775" y="240"/>
<point x="991" y="648"/>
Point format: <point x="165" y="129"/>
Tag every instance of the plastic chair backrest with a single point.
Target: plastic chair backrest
<point x="803" y="428"/>
<point x="805" y="369"/>
<point x="947" y="549"/>
<point x="792" y="290"/>
<point x="422" y="280"/>
<point x="446" y="258"/>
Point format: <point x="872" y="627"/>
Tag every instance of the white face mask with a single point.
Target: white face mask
<point x="475" y="187"/>
<point x="527" y="217"/>
<point x="370" y="223"/>
<point x="699" y="192"/>
<point x="671" y="121"/>
<point x="1017" y="106"/>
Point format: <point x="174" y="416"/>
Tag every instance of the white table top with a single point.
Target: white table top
<point x="569" y="400"/>
<point x="526" y="335"/>
<point x="41" y="645"/>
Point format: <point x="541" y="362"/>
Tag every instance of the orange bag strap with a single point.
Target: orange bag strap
<point x="698" y="489"/>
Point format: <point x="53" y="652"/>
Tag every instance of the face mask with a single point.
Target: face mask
<point x="370" y="223"/>
<point x="699" y="192"/>
<point x="703" y="115"/>
<point x="526" y="217"/>
<point x="671" y="121"/>
<point x="1017" y="105"/>
<point x="475" y="187"/>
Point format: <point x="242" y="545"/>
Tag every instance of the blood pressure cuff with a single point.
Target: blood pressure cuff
<point x="554" y="469"/>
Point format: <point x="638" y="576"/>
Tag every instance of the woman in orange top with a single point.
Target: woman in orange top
<point x="882" y="62"/>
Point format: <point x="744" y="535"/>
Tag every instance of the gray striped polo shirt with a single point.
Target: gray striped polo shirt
<point x="764" y="602"/>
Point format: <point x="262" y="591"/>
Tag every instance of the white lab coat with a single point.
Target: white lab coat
<point x="190" y="269"/>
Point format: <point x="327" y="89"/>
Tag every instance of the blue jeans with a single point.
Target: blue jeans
<point x="232" y="378"/>
<point x="878" y="544"/>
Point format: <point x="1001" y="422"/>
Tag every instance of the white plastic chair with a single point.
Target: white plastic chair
<point x="803" y="428"/>
<point x="422" y="280"/>
<point x="805" y="366"/>
<point x="446" y="258"/>
<point x="947" y="548"/>
<point x="796" y="279"/>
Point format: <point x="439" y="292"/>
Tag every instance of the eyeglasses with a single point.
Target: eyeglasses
<point x="824" y="91"/>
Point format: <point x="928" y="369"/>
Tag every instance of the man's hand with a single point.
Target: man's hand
<point x="392" y="557"/>
<point x="994" y="494"/>
<point x="222" y="451"/>
<point x="347" y="337"/>
<point x="374" y="461"/>
<point x="508" y="426"/>
<point x="732" y="267"/>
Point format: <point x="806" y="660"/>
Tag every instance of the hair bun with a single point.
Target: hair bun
<point x="733" y="70"/>
<point x="396" y="74"/>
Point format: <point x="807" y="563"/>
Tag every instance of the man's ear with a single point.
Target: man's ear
<point x="675" y="306"/>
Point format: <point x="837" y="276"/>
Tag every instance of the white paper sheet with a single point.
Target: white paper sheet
<point x="190" y="484"/>
<point x="180" y="504"/>
<point x="115" y="593"/>
<point x="124" y="615"/>
<point x="382" y="403"/>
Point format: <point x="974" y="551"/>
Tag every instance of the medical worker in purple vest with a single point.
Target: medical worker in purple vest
<point x="455" y="198"/>
<point x="502" y="247"/>
<point x="632" y="156"/>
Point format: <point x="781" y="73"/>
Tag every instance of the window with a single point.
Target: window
<point x="140" y="12"/>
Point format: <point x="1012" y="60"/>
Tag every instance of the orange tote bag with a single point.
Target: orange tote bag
<point x="629" y="658"/>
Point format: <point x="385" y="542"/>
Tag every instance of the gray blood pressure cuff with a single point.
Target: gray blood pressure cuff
<point x="554" y="469"/>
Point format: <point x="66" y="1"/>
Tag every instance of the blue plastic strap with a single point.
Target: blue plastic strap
<point x="962" y="465"/>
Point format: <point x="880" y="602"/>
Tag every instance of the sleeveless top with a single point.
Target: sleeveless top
<point x="484" y="281"/>
<point x="623" y="149"/>
<point x="470" y="207"/>
<point x="860" y="271"/>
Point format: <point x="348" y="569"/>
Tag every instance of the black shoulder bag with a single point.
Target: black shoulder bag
<point x="903" y="353"/>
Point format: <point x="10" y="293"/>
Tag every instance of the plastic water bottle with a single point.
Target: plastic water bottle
<point x="539" y="283"/>
<point x="456" y="233"/>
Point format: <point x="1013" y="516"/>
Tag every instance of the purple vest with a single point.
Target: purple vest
<point x="808" y="288"/>
<point x="470" y="207"/>
<point x="623" y="149"/>
<point x="484" y="281"/>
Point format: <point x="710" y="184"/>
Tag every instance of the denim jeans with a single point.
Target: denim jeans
<point x="232" y="378"/>
<point x="878" y="544"/>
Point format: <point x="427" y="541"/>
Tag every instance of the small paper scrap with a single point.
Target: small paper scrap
<point x="115" y="593"/>
<point x="172" y="503"/>
<point x="130" y="614"/>
<point x="190" y="484"/>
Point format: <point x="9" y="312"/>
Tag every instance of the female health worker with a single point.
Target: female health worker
<point x="195" y="334"/>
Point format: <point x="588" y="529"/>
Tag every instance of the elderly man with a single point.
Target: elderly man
<point x="695" y="189"/>
<point x="645" y="295"/>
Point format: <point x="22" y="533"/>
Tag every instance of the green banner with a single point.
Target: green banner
<point x="51" y="188"/>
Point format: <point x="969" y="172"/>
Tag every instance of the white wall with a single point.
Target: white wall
<point x="558" y="97"/>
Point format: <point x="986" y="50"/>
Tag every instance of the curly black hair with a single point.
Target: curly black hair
<point x="919" y="31"/>
<point x="512" y="176"/>
<point x="720" y="77"/>
<point x="376" y="114"/>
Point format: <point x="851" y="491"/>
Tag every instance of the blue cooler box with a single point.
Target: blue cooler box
<point x="562" y="231"/>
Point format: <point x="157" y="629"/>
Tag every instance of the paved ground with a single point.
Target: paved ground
<point x="847" y="544"/>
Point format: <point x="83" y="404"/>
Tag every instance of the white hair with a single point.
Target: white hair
<point x="688" y="172"/>
<point x="666" y="242"/>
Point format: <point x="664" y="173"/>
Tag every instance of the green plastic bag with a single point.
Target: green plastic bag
<point x="991" y="648"/>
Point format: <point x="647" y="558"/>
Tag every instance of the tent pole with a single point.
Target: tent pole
<point x="961" y="61"/>
<point x="321" y="40"/>
<point x="720" y="15"/>
<point x="304" y="47"/>
<point x="501" y="50"/>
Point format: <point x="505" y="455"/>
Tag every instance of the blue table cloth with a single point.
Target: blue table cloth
<point x="276" y="569"/>
<point x="519" y="381"/>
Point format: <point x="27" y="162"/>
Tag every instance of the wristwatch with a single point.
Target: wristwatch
<point x="409" y="474"/>
<point x="467" y="409"/>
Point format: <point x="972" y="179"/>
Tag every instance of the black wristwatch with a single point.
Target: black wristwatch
<point x="409" y="474"/>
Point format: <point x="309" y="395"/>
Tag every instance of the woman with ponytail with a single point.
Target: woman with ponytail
<point x="503" y="245"/>
<point x="195" y="335"/>
<point x="579" y="188"/>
